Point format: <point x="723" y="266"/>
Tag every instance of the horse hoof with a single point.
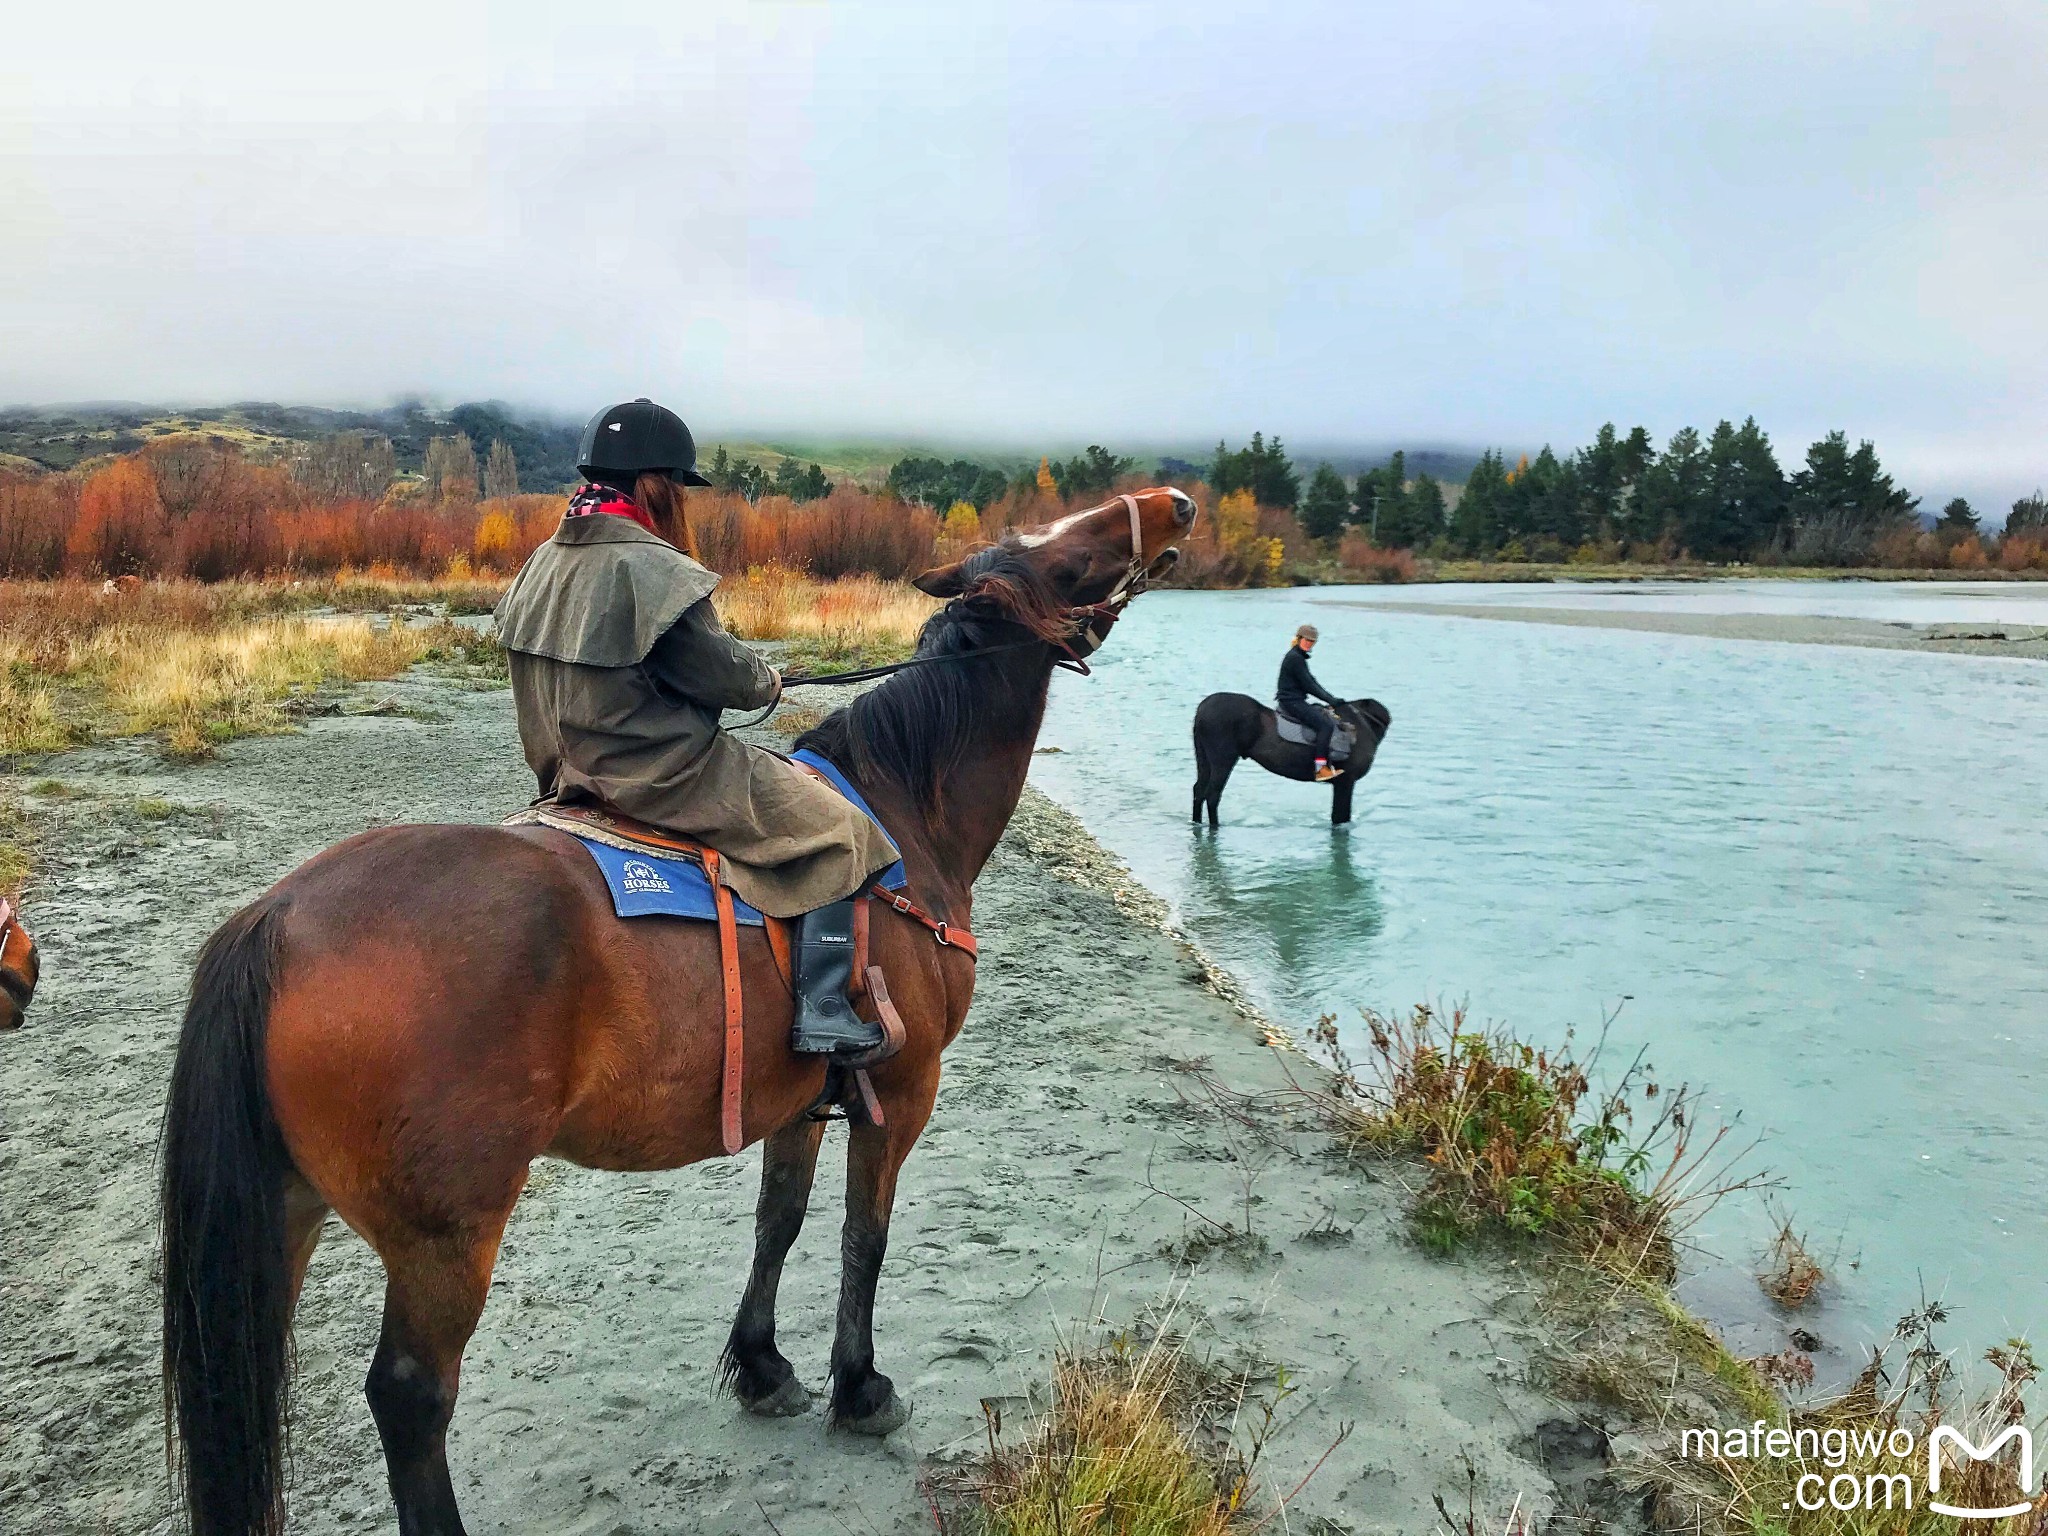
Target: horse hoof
<point x="785" y="1402"/>
<point x="885" y="1420"/>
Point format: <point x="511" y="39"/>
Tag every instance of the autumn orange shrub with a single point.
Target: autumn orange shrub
<point x="1359" y="555"/>
<point x="2023" y="552"/>
<point x="188" y="506"/>
<point x="36" y="514"/>
<point x="120" y="525"/>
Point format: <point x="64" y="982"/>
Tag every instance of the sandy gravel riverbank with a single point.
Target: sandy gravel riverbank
<point x="1981" y="639"/>
<point x="1071" y="1143"/>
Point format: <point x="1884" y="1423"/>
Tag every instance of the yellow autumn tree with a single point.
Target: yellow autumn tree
<point x="1237" y="521"/>
<point x="1046" y="484"/>
<point x="492" y="545"/>
<point x="962" y="524"/>
<point x="1257" y="557"/>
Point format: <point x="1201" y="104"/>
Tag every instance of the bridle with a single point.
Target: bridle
<point x="1091" y="623"/>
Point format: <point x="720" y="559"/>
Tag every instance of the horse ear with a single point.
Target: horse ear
<point x="942" y="580"/>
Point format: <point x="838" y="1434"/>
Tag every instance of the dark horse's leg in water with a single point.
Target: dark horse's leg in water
<point x="1226" y="727"/>
<point x="1340" y="799"/>
<point x="1213" y="767"/>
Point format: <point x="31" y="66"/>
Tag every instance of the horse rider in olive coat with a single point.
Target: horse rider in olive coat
<point x="619" y="671"/>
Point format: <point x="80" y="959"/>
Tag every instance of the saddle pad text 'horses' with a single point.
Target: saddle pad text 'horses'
<point x="647" y="883"/>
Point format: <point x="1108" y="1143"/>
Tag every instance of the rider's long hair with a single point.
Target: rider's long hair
<point x="663" y="501"/>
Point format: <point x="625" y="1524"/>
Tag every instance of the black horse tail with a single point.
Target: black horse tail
<point x="226" y="1282"/>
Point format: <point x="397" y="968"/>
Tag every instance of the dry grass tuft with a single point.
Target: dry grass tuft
<point x="197" y="664"/>
<point x="1136" y="1441"/>
<point x="793" y="722"/>
<point x="856" y="621"/>
<point x="199" y="690"/>
<point x="1793" y="1274"/>
<point x="16" y="862"/>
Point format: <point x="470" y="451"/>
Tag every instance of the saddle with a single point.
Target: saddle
<point x="642" y="863"/>
<point x="1341" y="739"/>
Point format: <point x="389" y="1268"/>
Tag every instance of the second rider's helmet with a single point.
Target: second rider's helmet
<point x="637" y="436"/>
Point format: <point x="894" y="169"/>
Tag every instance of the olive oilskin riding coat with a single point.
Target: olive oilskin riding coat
<point x="619" y="670"/>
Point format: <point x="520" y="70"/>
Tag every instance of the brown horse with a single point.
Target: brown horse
<point x="400" y="1026"/>
<point x="20" y="965"/>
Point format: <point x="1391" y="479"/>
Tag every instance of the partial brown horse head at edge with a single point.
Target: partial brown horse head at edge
<point x="19" y="967"/>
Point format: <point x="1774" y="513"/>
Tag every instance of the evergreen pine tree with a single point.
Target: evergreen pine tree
<point x="1958" y="521"/>
<point x="1473" y="527"/>
<point x="1324" y="509"/>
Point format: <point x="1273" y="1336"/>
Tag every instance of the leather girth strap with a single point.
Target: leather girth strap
<point x="730" y="1102"/>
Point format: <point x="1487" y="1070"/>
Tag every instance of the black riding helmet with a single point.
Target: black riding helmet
<point x="639" y="435"/>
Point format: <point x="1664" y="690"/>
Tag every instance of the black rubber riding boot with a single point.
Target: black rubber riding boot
<point x="826" y="1024"/>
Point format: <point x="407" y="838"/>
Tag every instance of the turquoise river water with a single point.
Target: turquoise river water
<point x="1811" y="877"/>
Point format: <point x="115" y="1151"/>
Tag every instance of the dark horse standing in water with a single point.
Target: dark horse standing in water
<point x="400" y="1026"/>
<point x="1229" y="726"/>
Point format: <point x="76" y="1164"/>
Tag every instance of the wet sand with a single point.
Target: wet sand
<point x="1059" y="1182"/>
<point x="1982" y="639"/>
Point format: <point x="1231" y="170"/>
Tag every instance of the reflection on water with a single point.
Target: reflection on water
<point x="1306" y="905"/>
<point x="1816" y="873"/>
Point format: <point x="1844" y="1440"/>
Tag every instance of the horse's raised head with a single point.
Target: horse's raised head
<point x="1091" y="556"/>
<point x="18" y="968"/>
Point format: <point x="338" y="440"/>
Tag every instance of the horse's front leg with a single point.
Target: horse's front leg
<point x="1340" y="800"/>
<point x="863" y="1399"/>
<point x="754" y="1368"/>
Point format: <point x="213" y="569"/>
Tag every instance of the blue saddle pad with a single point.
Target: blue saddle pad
<point x="648" y="884"/>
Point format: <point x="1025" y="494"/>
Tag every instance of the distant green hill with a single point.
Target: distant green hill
<point x="63" y="436"/>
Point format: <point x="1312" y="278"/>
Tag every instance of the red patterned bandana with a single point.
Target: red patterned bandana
<point x="602" y="498"/>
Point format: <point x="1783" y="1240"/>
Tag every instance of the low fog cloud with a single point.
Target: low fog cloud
<point x="1500" y="223"/>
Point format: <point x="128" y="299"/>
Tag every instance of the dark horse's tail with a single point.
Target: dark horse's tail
<point x="227" y="1301"/>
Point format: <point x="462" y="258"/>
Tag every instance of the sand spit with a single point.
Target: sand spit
<point x="1981" y="639"/>
<point x="1073" y="1156"/>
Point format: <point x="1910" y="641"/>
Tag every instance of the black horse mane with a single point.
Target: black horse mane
<point x="914" y="728"/>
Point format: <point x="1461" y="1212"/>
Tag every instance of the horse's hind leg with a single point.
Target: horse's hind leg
<point x="1217" y="779"/>
<point x="754" y="1368"/>
<point x="433" y="1295"/>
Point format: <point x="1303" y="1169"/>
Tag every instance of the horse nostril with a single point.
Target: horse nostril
<point x="1183" y="510"/>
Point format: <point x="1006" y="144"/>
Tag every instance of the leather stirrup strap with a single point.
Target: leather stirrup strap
<point x="735" y="1010"/>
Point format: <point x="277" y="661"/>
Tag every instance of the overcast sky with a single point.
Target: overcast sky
<point x="1151" y="223"/>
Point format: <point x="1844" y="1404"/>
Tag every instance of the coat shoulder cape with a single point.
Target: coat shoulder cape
<point x="599" y="593"/>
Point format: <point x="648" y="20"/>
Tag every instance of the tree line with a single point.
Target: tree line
<point x="1721" y="497"/>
